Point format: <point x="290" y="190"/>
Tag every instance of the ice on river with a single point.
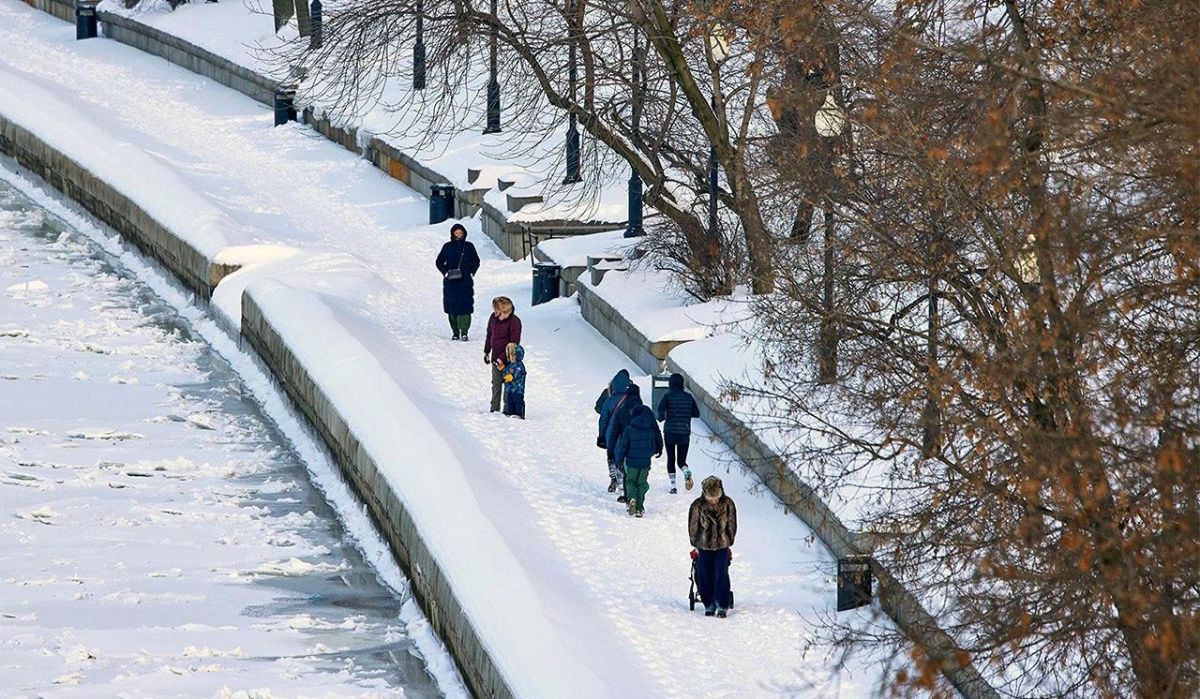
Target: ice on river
<point x="156" y="535"/>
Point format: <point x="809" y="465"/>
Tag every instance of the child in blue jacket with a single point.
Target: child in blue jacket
<point x="514" y="380"/>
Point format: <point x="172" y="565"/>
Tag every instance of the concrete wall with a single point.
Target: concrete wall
<point x="190" y="56"/>
<point x="195" y="270"/>
<point x="59" y="8"/>
<point x="429" y="584"/>
<point x="649" y="356"/>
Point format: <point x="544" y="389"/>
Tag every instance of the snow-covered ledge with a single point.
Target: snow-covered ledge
<point x="327" y="372"/>
<point x="183" y="232"/>
<point x="198" y="269"/>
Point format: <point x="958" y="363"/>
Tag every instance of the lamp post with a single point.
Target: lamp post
<point x="573" y="175"/>
<point x="718" y="45"/>
<point x="830" y="123"/>
<point x="419" y="49"/>
<point x="493" y="87"/>
<point x="314" y="14"/>
<point x="634" y="229"/>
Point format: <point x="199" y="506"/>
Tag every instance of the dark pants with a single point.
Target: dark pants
<point x="636" y="486"/>
<point x="497" y="387"/>
<point x="677" y="448"/>
<point x="514" y="404"/>
<point x="712" y="577"/>
<point x="459" y="324"/>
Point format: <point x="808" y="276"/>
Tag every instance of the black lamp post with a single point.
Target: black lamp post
<point x="314" y="13"/>
<point x="493" y="88"/>
<point x="830" y="122"/>
<point x="718" y="44"/>
<point x="419" y="49"/>
<point x="633" y="228"/>
<point x="713" y="174"/>
<point x="573" y="175"/>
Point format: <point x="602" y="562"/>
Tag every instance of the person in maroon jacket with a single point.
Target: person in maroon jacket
<point x="503" y="327"/>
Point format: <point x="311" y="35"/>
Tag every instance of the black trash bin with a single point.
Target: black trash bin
<point x="441" y="202"/>
<point x="85" y="19"/>
<point x="659" y="385"/>
<point x="545" y="282"/>
<point x="853" y="582"/>
<point x="285" y="105"/>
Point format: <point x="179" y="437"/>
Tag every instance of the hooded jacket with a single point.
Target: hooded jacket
<point x="609" y="399"/>
<point x="640" y="440"/>
<point x="500" y="333"/>
<point x="677" y="408"/>
<point x="458" y="295"/>
<point x="712" y="527"/>
<point x="517" y="371"/>
<point x="622" y="413"/>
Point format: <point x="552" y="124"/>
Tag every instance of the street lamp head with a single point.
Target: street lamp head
<point x="718" y="41"/>
<point x="830" y="120"/>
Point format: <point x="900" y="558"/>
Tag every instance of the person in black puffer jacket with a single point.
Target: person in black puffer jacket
<point x="675" y="411"/>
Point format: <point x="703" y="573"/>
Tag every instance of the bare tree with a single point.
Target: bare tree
<point x="1019" y="286"/>
<point x="702" y="78"/>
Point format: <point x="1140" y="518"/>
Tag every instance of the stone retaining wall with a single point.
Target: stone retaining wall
<point x="433" y="592"/>
<point x="191" y="266"/>
<point x="58" y="8"/>
<point x="186" y="55"/>
<point x="648" y="355"/>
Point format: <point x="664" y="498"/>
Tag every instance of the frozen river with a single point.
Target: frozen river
<point x="157" y="535"/>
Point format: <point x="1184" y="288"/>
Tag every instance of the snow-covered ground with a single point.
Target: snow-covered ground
<point x="158" y="537"/>
<point x="612" y="589"/>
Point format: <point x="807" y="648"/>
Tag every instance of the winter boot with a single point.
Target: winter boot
<point x="672" y="477"/>
<point x="687" y="479"/>
<point x="612" y="484"/>
<point x="710" y="610"/>
<point x="640" y="513"/>
<point x="721" y="613"/>
<point x="465" y="338"/>
<point x="456" y="336"/>
<point x="632" y="509"/>
<point x="622" y="498"/>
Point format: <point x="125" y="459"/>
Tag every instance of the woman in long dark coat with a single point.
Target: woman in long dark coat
<point x="458" y="262"/>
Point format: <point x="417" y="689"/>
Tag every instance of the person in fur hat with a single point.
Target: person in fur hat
<point x="712" y="526"/>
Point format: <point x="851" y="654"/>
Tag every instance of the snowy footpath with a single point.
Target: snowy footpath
<point x="610" y="590"/>
<point x="158" y="536"/>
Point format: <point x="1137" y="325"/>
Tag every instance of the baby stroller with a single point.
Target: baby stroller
<point x="693" y="595"/>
